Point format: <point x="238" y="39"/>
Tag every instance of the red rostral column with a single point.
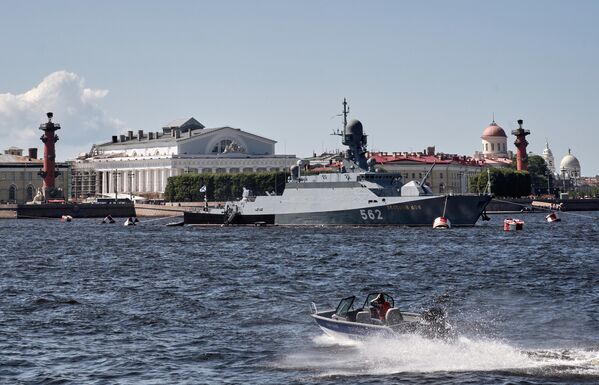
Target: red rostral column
<point x="49" y="172"/>
<point x="521" y="143"/>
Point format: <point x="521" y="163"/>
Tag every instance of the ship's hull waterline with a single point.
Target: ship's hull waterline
<point x="462" y="210"/>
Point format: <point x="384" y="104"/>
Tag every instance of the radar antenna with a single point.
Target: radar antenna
<point x="344" y="114"/>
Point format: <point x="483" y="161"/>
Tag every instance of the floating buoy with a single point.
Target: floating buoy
<point x="552" y="217"/>
<point x="66" y="218"/>
<point x="510" y="224"/>
<point x="129" y="222"/>
<point x="441" y="223"/>
<point x="108" y="219"/>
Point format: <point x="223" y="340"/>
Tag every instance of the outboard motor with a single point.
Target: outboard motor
<point x="437" y="321"/>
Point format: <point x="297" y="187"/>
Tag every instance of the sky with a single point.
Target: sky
<point x="416" y="73"/>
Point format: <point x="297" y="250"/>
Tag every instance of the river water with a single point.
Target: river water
<point x="86" y="303"/>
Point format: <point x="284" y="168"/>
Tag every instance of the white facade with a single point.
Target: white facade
<point x="569" y="167"/>
<point x="548" y="157"/>
<point x="142" y="164"/>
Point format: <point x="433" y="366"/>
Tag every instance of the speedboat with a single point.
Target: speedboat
<point x="361" y="322"/>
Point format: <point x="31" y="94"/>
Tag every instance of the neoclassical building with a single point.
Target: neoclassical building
<point x="141" y="164"/>
<point x="19" y="179"/>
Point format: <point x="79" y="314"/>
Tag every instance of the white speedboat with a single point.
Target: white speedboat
<point x="357" y="323"/>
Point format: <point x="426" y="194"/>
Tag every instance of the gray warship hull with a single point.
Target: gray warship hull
<point x="462" y="210"/>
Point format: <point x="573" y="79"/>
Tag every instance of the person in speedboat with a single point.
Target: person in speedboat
<point x="379" y="307"/>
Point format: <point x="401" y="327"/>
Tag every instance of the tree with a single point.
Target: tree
<point x="505" y="182"/>
<point x="539" y="173"/>
<point x="222" y="187"/>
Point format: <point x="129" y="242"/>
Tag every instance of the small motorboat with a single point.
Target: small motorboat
<point x="552" y="217"/>
<point x="511" y="224"/>
<point x="362" y="322"/>
<point x="66" y="218"/>
<point x="172" y="224"/>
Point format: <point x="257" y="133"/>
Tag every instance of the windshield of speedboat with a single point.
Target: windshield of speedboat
<point x="344" y="306"/>
<point x="372" y="296"/>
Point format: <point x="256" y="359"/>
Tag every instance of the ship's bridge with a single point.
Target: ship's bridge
<point x="381" y="184"/>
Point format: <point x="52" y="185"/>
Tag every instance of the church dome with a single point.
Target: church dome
<point x="493" y="131"/>
<point x="569" y="163"/>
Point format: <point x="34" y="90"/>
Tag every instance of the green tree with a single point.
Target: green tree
<point x="505" y="182"/>
<point x="222" y="187"/>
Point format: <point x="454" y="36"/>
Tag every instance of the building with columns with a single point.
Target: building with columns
<point x="141" y="164"/>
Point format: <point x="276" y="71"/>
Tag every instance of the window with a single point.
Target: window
<point x="12" y="193"/>
<point x="440" y="175"/>
<point x="486" y="146"/>
<point x="29" y="193"/>
<point x="413" y="175"/>
<point x="492" y="146"/>
<point x="220" y="146"/>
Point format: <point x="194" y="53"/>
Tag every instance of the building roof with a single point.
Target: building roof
<point x="7" y="158"/>
<point x="493" y="130"/>
<point x="383" y="158"/>
<point x="569" y="162"/>
<point x="168" y="140"/>
<point x="184" y="122"/>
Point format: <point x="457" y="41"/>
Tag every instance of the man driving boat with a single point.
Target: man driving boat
<point x="379" y="307"/>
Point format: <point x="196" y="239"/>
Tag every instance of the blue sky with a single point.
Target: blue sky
<point x="415" y="73"/>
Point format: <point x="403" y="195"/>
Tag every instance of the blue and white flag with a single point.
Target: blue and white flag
<point x="203" y="188"/>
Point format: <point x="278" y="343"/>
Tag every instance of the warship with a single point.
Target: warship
<point x="358" y="194"/>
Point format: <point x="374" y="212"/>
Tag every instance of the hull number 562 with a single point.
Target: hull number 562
<point x="371" y="214"/>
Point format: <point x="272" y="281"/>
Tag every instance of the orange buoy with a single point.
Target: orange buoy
<point x="510" y="224"/>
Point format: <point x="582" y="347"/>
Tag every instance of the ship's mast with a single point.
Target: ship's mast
<point x="345" y="112"/>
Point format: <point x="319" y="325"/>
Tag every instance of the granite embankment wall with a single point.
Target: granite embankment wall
<point x="8" y="211"/>
<point x="79" y="210"/>
<point x="169" y="209"/>
<point x="509" y="205"/>
<point x="147" y="210"/>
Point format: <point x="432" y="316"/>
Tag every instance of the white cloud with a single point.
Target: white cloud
<point x="83" y="122"/>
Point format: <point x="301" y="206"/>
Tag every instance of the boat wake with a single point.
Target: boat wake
<point x="331" y="356"/>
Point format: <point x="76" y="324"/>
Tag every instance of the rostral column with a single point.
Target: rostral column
<point x="521" y="143"/>
<point x="49" y="172"/>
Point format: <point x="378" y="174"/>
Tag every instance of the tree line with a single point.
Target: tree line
<point x="222" y="187"/>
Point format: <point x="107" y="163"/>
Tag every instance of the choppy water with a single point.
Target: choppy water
<point x="84" y="303"/>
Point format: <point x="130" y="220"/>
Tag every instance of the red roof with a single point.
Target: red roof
<point x="382" y="158"/>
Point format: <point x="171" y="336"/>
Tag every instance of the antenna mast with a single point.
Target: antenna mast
<point x="345" y="112"/>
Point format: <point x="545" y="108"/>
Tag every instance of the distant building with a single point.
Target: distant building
<point x="19" y="179"/>
<point x="494" y="141"/>
<point x="569" y="167"/>
<point x="451" y="173"/>
<point x="548" y="157"/>
<point x="141" y="164"/>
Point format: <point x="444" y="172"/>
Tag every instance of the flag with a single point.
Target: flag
<point x="203" y="188"/>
